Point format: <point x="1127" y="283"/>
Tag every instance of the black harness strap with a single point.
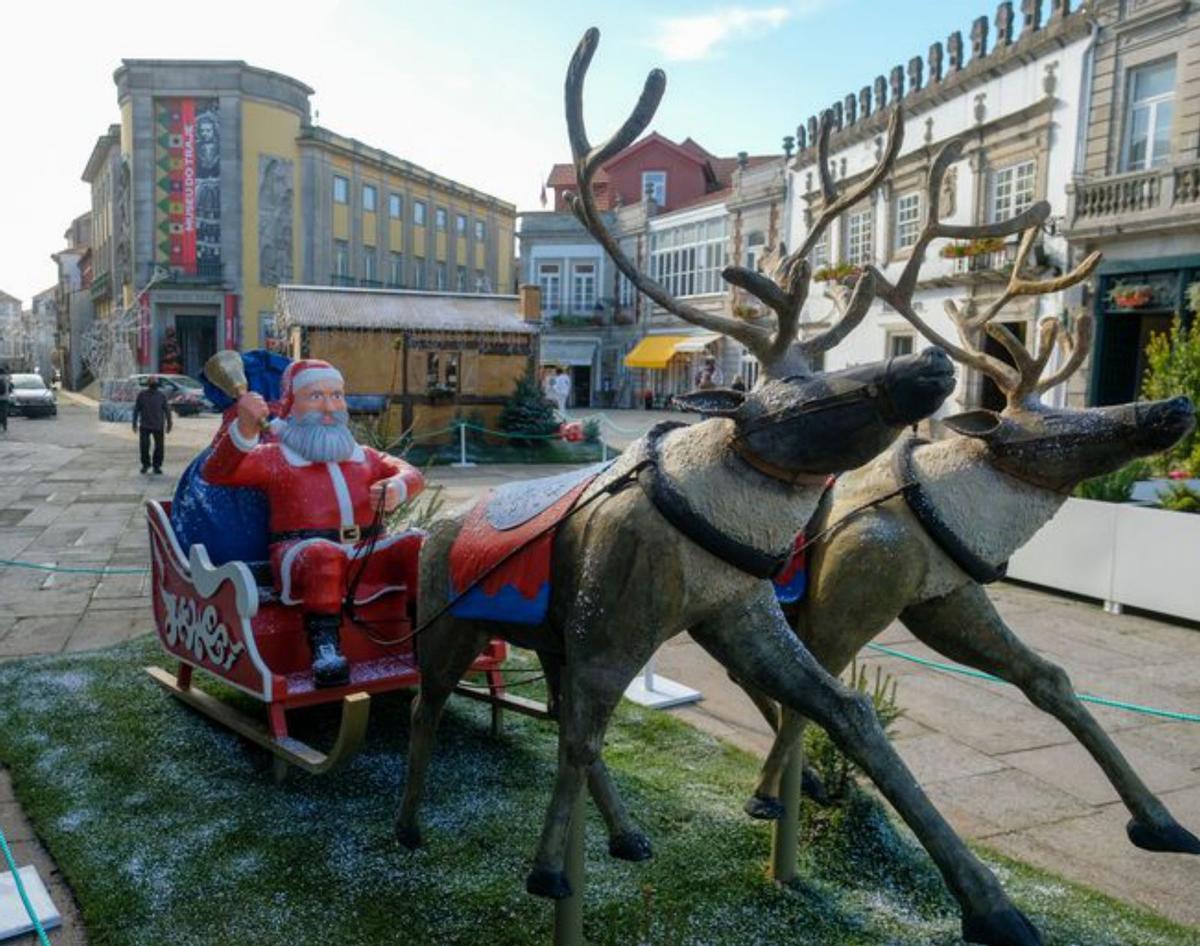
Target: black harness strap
<point x="674" y="507"/>
<point x="923" y="508"/>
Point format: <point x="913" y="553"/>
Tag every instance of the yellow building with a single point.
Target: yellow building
<point x="216" y="188"/>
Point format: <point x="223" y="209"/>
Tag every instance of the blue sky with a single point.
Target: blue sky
<point x="468" y="88"/>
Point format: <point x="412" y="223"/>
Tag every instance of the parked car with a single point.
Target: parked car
<point x="184" y="393"/>
<point x="30" y="397"/>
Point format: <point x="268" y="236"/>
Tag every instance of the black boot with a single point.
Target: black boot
<point x="329" y="667"/>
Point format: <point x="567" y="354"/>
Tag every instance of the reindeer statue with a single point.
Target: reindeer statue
<point x="969" y="503"/>
<point x="684" y="528"/>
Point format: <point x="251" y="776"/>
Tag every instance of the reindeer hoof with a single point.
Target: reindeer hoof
<point x="630" y="846"/>
<point x="764" y="808"/>
<point x="544" y="882"/>
<point x="410" y="837"/>
<point x="813" y="788"/>
<point x="1008" y="927"/>
<point x="1173" y="838"/>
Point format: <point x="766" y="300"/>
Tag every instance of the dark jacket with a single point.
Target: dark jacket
<point x="152" y="409"/>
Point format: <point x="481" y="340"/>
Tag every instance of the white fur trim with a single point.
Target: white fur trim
<point x="358" y="455"/>
<point x="342" y="491"/>
<point x="307" y="376"/>
<point x="241" y="442"/>
<point x="398" y="481"/>
<point x="278" y="425"/>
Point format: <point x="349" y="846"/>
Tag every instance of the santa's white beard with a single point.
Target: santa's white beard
<point x="318" y="442"/>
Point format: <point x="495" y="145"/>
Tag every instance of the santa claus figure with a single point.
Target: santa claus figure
<point x="325" y="493"/>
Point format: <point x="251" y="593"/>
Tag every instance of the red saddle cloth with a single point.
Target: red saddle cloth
<point x="513" y="525"/>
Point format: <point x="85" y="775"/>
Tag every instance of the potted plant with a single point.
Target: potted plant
<point x="1131" y="295"/>
<point x="838" y="272"/>
<point x="440" y="392"/>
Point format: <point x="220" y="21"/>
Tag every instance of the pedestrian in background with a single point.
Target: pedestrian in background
<point x="151" y="419"/>
<point x="5" y="388"/>
<point x="562" y="390"/>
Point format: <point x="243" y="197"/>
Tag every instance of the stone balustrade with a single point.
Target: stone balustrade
<point x="1137" y="200"/>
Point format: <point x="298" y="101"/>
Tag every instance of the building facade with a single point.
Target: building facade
<point x="72" y="299"/>
<point x="681" y="214"/>
<point x="1012" y="95"/>
<point x="216" y="187"/>
<point x="1135" y="193"/>
<point x="13" y="345"/>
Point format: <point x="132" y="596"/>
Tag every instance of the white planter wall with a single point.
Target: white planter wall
<point x="1146" y="558"/>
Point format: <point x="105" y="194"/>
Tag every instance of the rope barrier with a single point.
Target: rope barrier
<point x="76" y="569"/>
<point x="1082" y="697"/>
<point x="16" y="875"/>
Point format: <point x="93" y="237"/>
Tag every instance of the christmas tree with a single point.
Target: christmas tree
<point x="527" y="411"/>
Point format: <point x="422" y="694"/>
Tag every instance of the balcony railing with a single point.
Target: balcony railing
<point x="981" y="263"/>
<point x="1145" y="197"/>
<point x="602" y="312"/>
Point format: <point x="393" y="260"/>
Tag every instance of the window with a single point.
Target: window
<point x="432" y="374"/>
<point x="395" y="206"/>
<point x="655" y="183"/>
<point x="460" y="279"/>
<point x="550" y="280"/>
<point x="440" y="218"/>
<point x="481" y="281"/>
<point x="900" y="343"/>
<point x="479" y="230"/>
<point x="1148" y="117"/>
<point x="819" y="255"/>
<point x="439" y="275"/>
<point x="396" y="269"/>
<point x="368" y="264"/>
<point x="419" y="213"/>
<point x="859" y="228"/>
<point x="583" y="287"/>
<point x="369" y="198"/>
<point x="418" y="272"/>
<point x="688" y="260"/>
<point x="451" y="381"/>
<point x="460" y="224"/>
<point x="341" y="258"/>
<point x="1012" y="190"/>
<point x="908" y="220"/>
<point x="341" y="189"/>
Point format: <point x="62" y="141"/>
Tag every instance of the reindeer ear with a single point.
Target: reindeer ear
<point x="980" y="423"/>
<point x="715" y="402"/>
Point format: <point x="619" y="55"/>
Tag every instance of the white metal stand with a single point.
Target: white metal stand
<point x="462" y="447"/>
<point x="658" y="692"/>
<point x="14" y="920"/>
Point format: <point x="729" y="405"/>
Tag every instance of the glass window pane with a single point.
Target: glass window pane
<point x="1139" y="130"/>
<point x="1149" y="81"/>
<point x="1163" y="115"/>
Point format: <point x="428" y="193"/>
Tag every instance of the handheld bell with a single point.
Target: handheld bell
<point x="226" y="371"/>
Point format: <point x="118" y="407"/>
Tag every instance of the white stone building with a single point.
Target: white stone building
<point x="1014" y="98"/>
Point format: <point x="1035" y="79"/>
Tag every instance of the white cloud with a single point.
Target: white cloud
<point x="697" y="37"/>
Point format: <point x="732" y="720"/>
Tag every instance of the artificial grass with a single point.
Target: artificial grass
<point x="170" y="830"/>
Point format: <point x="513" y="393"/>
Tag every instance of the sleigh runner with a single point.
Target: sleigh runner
<point x="228" y="621"/>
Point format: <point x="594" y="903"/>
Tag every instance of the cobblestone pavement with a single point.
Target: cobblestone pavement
<point x="71" y="494"/>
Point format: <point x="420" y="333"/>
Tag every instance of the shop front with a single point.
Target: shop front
<point x="669" y="365"/>
<point x="577" y="357"/>
<point x="1136" y="300"/>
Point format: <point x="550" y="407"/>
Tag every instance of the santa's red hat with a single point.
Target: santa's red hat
<point x="300" y="374"/>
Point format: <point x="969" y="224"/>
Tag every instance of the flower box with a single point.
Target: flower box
<point x="1119" y="553"/>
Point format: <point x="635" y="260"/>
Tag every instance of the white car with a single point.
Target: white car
<point x="30" y="397"/>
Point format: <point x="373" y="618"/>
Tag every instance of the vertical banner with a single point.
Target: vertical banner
<point x="143" y="337"/>
<point x="231" y="320"/>
<point x="187" y="150"/>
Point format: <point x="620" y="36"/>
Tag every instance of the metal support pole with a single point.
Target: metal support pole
<point x="603" y="449"/>
<point x="568" y="912"/>
<point x="462" y="447"/>
<point x="785" y="832"/>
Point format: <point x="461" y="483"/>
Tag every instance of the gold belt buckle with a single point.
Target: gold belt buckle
<point x="351" y="533"/>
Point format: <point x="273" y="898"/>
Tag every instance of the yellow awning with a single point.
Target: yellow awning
<point x="654" y="351"/>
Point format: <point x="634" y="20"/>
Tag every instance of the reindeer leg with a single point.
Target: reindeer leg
<point x="446" y="651"/>
<point x="626" y="841"/>
<point x="757" y="644"/>
<point x="964" y="626"/>
<point x="591" y="691"/>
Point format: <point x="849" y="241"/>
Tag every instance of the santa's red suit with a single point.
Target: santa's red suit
<point x="321" y="517"/>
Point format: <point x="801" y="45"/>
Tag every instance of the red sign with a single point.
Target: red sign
<point x="231" y="320"/>
<point x="143" y="344"/>
<point x="187" y="110"/>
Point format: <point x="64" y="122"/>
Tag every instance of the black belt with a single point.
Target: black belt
<point x="348" y="534"/>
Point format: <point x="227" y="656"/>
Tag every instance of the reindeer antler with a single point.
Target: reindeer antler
<point x="588" y="161"/>
<point x="1021" y="382"/>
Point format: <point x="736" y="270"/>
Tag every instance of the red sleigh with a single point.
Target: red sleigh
<point x="219" y="619"/>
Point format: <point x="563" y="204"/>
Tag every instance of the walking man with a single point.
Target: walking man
<point x="154" y="413"/>
<point x="562" y="390"/>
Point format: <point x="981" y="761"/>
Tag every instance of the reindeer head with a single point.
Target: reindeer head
<point x="796" y="420"/>
<point x="1053" y="447"/>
